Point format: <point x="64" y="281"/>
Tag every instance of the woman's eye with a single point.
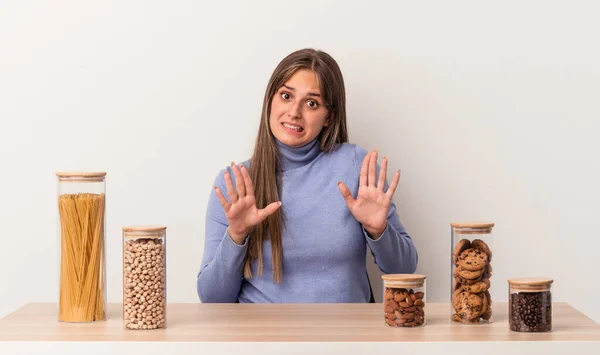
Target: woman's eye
<point x="285" y="95"/>
<point x="312" y="104"/>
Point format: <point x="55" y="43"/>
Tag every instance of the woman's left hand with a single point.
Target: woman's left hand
<point x="372" y="204"/>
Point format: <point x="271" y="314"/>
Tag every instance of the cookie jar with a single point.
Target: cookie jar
<point x="144" y="277"/>
<point x="530" y="305"/>
<point x="404" y="300"/>
<point x="471" y="272"/>
<point x="82" y="268"/>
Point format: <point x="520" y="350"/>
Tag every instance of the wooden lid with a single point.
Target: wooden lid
<point x="472" y="225"/>
<point x="144" y="229"/>
<point x="81" y="176"/>
<point x="404" y="279"/>
<point x="136" y="231"/>
<point x="531" y="284"/>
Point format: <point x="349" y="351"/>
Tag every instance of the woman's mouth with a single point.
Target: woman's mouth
<point x="292" y="128"/>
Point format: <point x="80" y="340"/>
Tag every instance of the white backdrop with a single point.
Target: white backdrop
<point x="490" y="108"/>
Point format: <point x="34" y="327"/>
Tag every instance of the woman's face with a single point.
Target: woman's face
<point x="298" y="112"/>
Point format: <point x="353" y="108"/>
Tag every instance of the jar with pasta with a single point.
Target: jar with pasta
<point x="144" y="277"/>
<point x="81" y="210"/>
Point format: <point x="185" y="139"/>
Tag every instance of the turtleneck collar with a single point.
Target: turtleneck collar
<point x="292" y="158"/>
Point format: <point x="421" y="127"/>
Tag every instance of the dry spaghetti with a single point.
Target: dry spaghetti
<point x="82" y="270"/>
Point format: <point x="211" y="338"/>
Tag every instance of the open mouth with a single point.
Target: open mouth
<point x="292" y="128"/>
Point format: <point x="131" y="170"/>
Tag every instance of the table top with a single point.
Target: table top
<point x="205" y="322"/>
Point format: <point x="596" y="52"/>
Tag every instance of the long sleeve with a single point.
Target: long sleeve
<point x="394" y="251"/>
<point x="220" y="276"/>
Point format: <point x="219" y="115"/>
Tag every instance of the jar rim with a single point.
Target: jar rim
<point x="81" y="176"/>
<point x="405" y="278"/>
<point x="472" y="225"/>
<point x="144" y="228"/>
<point x="146" y="231"/>
<point x="531" y="282"/>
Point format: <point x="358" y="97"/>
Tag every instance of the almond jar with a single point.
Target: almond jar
<point x="530" y="305"/>
<point x="404" y="300"/>
<point x="144" y="277"/>
<point x="471" y="273"/>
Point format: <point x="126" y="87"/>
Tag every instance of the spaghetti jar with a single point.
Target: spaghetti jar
<point x="144" y="277"/>
<point x="530" y="305"/>
<point x="471" y="272"/>
<point x="81" y="208"/>
<point x="404" y="300"/>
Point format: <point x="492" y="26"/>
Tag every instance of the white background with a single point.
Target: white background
<point x="490" y="108"/>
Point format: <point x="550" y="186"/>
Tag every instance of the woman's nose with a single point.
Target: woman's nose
<point x="295" y="110"/>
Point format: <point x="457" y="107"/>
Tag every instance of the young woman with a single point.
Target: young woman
<point x="292" y="223"/>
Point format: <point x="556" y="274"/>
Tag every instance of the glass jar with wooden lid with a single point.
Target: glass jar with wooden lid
<point x="144" y="277"/>
<point x="530" y="304"/>
<point x="471" y="272"/>
<point x="404" y="300"/>
<point x="82" y="280"/>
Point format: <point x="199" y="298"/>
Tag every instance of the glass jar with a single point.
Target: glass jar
<point x="404" y="300"/>
<point x="530" y="305"/>
<point x="144" y="277"/>
<point x="471" y="273"/>
<point x="81" y="210"/>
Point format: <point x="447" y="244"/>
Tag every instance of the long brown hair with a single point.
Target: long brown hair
<point x="265" y="166"/>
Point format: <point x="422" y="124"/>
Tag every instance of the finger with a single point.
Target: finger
<point x="269" y="210"/>
<point x="393" y="185"/>
<point x="382" y="174"/>
<point x="247" y="182"/>
<point x="226" y="205"/>
<point x="239" y="180"/>
<point x="350" y="201"/>
<point x="372" y="169"/>
<point x="230" y="191"/>
<point x="363" y="171"/>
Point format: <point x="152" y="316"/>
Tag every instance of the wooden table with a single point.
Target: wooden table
<point x="291" y="329"/>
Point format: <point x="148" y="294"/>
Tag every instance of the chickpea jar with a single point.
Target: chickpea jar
<point x="471" y="273"/>
<point x="81" y="207"/>
<point x="530" y="305"/>
<point x="404" y="300"/>
<point x="144" y="277"/>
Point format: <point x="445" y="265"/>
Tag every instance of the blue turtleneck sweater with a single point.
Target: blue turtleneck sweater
<point x="324" y="247"/>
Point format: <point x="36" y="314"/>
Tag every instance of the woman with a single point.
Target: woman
<point x="284" y="226"/>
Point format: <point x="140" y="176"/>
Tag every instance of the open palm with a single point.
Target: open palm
<point x="372" y="203"/>
<point x="241" y="211"/>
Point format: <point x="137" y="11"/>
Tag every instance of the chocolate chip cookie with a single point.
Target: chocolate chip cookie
<point x="472" y="259"/>
<point x="477" y="287"/>
<point x="456" y="299"/>
<point x="470" y="305"/>
<point x="468" y="274"/>
<point x="465" y="281"/>
<point x="460" y="246"/>
<point x="480" y="244"/>
<point x="488" y="296"/>
<point x="487" y="273"/>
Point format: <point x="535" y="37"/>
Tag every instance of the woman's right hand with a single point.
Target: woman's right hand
<point x="241" y="211"/>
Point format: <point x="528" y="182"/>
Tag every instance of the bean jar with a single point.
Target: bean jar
<point x="471" y="273"/>
<point x="404" y="300"/>
<point x="530" y="305"/>
<point x="144" y="277"/>
<point x="82" y="270"/>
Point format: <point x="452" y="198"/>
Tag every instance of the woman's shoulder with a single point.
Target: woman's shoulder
<point x="347" y="151"/>
<point x="220" y="178"/>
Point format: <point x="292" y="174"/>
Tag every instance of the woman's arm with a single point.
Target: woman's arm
<point x="391" y="246"/>
<point x="394" y="251"/>
<point x="220" y="276"/>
